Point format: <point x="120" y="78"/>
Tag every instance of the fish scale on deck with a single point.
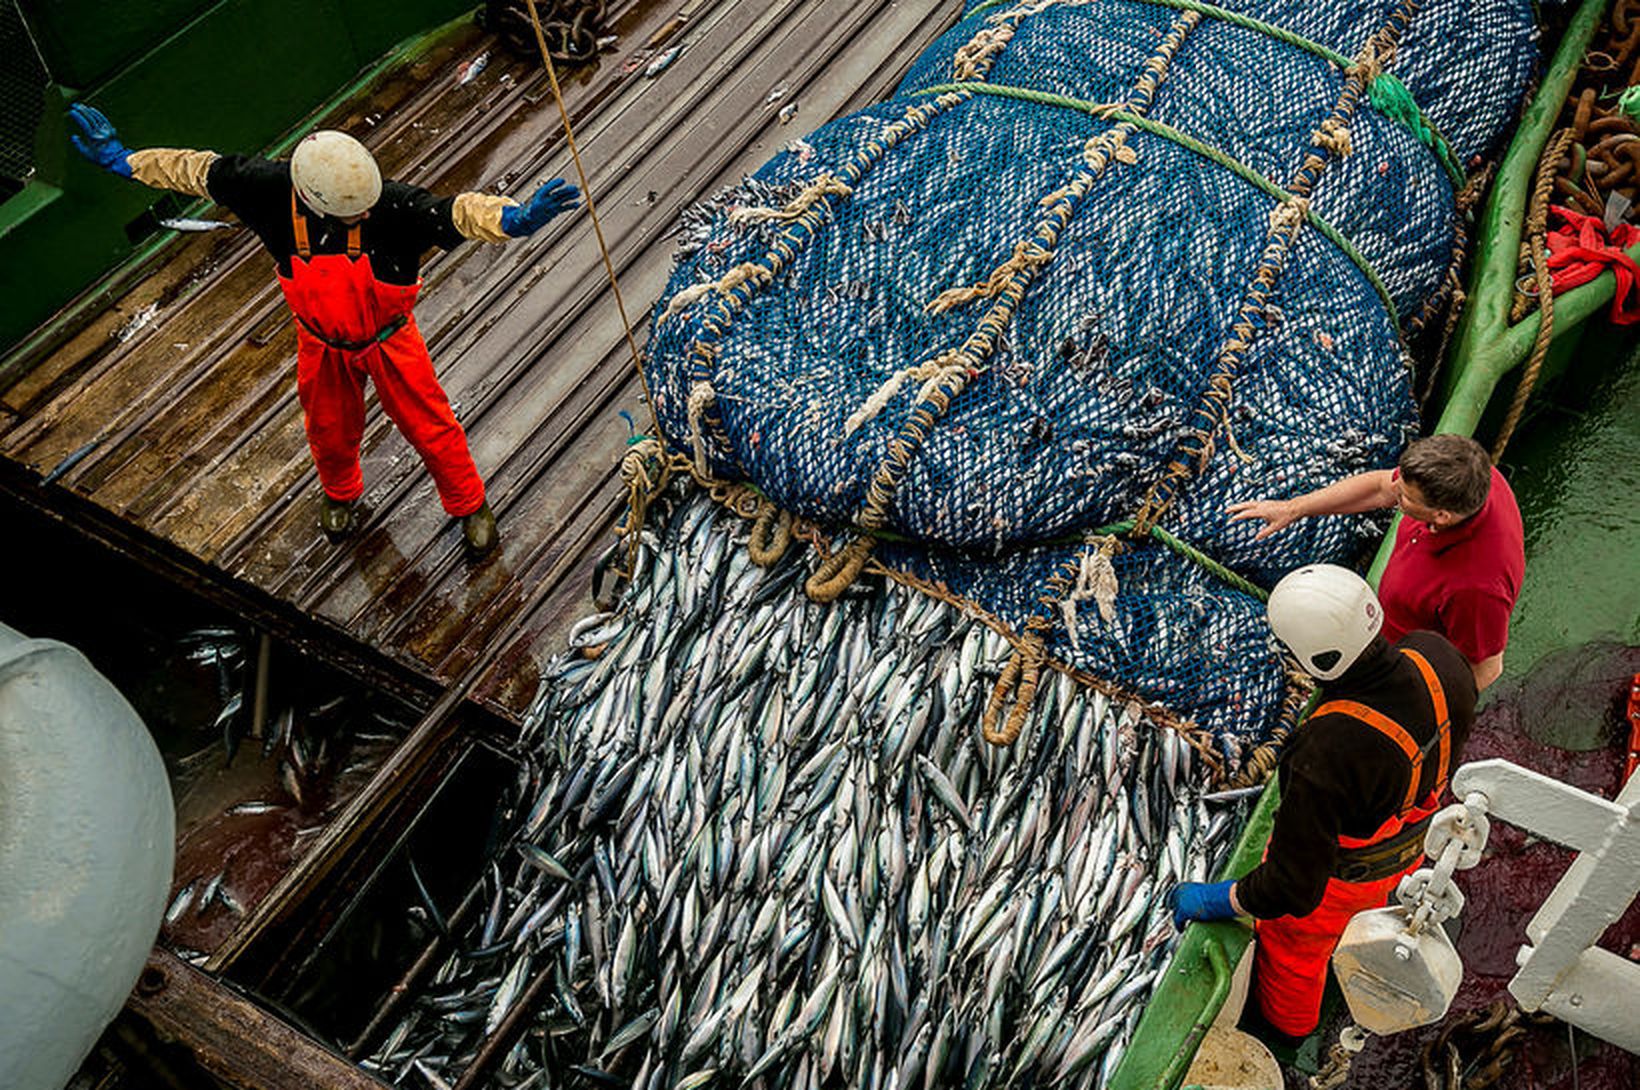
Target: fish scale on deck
<point x="764" y="842"/>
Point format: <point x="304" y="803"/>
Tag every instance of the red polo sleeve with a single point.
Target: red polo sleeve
<point x="1476" y="621"/>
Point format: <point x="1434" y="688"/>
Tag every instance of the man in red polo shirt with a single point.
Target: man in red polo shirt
<point x="1459" y="554"/>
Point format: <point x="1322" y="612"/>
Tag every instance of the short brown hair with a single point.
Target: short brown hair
<point x="1452" y="472"/>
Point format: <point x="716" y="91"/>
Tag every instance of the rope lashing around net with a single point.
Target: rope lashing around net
<point x="1115" y="112"/>
<point x="1394" y="100"/>
<point x="925" y="372"/>
<point x="1027" y="255"/>
<point x="956" y="368"/>
<point x="645" y="471"/>
<point x="1190" y="456"/>
<point x="826" y="185"/>
<point x="1537" y="226"/>
<point x="749" y="272"/>
<point x="973" y="59"/>
<point x="701" y="397"/>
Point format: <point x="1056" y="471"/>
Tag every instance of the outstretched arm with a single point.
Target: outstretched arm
<point x="179" y="169"/>
<point x="489" y="218"/>
<point x="1369" y="491"/>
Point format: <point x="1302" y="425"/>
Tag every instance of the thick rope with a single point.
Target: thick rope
<point x="701" y="397"/>
<point x="771" y="534"/>
<point x="1537" y="225"/>
<point x="748" y="272"/>
<point x="1027" y="254"/>
<point x="592" y="210"/>
<point x="1115" y="112"/>
<point x="826" y="185"/>
<point x="1018" y="681"/>
<point x="645" y="471"/>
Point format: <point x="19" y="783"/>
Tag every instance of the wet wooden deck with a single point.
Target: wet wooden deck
<point x="184" y="388"/>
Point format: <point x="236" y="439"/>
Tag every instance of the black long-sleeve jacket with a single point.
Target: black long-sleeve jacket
<point x="1340" y="776"/>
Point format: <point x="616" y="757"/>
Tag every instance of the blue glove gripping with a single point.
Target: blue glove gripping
<point x="101" y="143"/>
<point x="1205" y="901"/>
<point x="546" y="202"/>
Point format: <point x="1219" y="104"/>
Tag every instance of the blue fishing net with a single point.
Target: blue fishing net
<point x="1025" y="315"/>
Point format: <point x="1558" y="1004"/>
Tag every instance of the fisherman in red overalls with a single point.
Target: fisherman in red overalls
<point x="348" y="248"/>
<point x="1359" y="781"/>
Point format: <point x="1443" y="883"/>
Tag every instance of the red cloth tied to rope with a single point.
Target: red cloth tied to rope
<point x="1580" y="249"/>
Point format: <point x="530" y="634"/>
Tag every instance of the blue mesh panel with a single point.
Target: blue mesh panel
<point x="1082" y="394"/>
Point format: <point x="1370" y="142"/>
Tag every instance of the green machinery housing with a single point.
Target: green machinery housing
<point x="223" y="74"/>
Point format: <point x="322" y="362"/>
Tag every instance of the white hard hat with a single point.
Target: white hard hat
<point x="1326" y="615"/>
<point x="334" y="174"/>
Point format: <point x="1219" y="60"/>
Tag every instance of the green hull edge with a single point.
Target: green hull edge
<point x="258" y="65"/>
<point x="1197" y="983"/>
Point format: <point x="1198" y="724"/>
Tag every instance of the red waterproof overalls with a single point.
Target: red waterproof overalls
<point x="350" y="325"/>
<point x="1290" y="966"/>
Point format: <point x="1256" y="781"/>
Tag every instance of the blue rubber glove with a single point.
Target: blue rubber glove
<point x="546" y="202"/>
<point x="1205" y="901"/>
<point x="101" y="143"/>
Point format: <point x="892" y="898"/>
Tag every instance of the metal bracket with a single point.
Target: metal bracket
<point x="1561" y="970"/>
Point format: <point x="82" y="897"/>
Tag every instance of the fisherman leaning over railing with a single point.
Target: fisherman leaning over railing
<point x="348" y="249"/>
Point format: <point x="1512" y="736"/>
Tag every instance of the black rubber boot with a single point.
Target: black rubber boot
<point x="336" y="518"/>
<point x="479" y="530"/>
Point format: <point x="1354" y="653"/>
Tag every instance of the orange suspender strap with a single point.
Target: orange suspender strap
<point x="1443" y="720"/>
<point x="1390" y="729"/>
<point x="298" y="224"/>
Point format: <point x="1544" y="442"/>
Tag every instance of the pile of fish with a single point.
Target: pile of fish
<point x="760" y="841"/>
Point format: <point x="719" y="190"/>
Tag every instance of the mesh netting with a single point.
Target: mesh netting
<point x="1093" y="262"/>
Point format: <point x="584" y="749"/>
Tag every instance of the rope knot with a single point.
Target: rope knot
<point x="1286" y="216"/>
<point x="1095" y="580"/>
<point x="1334" y="136"/>
<point x="734" y="278"/>
<point x="701" y="397"/>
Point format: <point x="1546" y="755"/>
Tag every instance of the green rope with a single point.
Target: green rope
<point x="1192" y="554"/>
<point x="1113" y="112"/>
<point x="1628" y="104"/>
<point x="1388" y="95"/>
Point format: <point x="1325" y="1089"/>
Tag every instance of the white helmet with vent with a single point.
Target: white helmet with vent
<point x="1326" y="615"/>
<point x="334" y="174"/>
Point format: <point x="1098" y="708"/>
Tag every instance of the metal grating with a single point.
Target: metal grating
<point x="23" y="80"/>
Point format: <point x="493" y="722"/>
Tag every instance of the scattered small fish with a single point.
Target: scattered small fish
<point x="662" y="62"/>
<point x="183" y="223"/>
<point x="469" y="71"/>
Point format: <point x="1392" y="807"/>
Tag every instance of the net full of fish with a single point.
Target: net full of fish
<point x="758" y="841"/>
<point x="979" y="326"/>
